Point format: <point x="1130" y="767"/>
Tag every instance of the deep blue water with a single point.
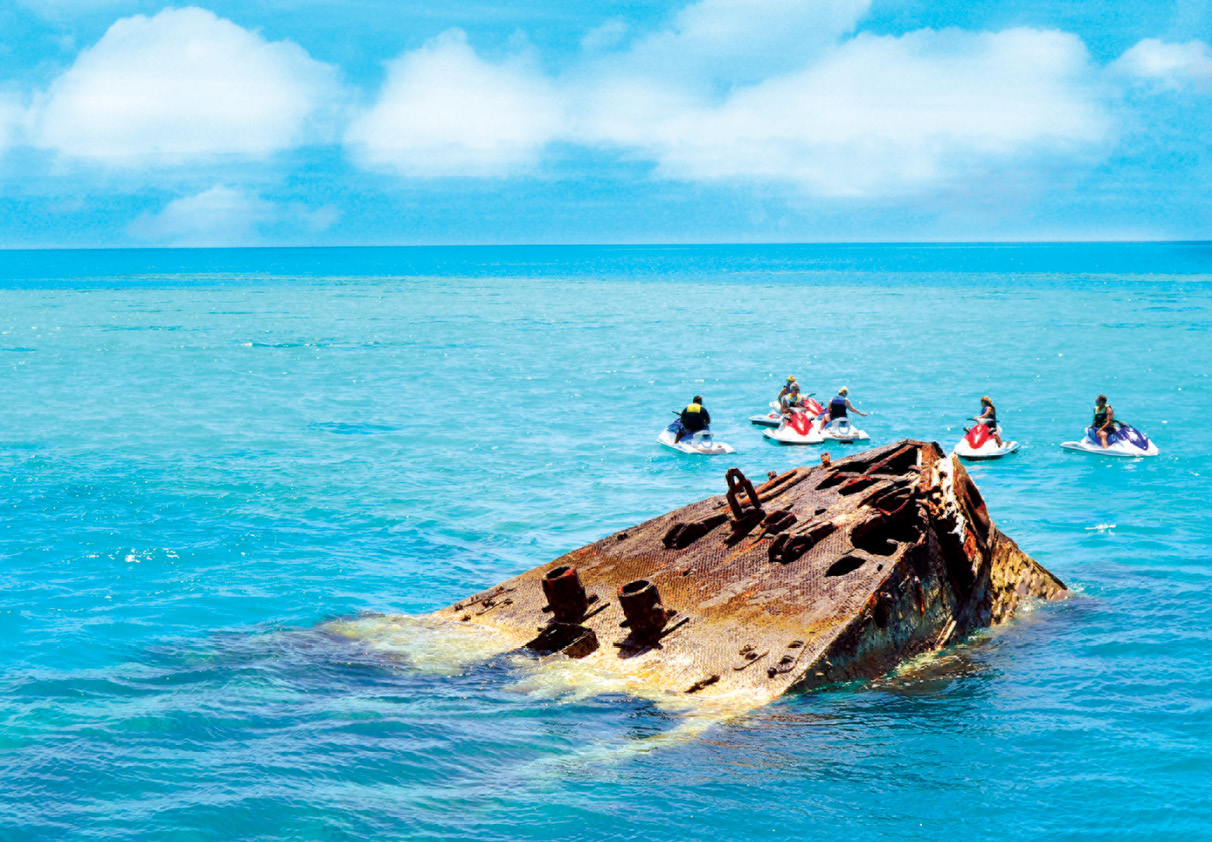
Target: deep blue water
<point x="218" y="466"/>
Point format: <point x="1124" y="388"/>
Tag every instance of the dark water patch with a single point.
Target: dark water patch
<point x="345" y="428"/>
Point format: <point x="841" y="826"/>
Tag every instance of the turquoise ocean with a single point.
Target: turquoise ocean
<point x="232" y="480"/>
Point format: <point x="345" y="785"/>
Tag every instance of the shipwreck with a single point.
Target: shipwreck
<point x="820" y="575"/>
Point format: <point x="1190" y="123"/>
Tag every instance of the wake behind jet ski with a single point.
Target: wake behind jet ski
<point x="1107" y="436"/>
<point x="691" y="432"/>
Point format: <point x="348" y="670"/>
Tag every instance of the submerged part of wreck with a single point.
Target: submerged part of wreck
<point x="822" y="574"/>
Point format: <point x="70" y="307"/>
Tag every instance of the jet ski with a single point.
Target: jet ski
<point x="774" y="417"/>
<point x="840" y="429"/>
<point x="979" y="443"/>
<point x="771" y="419"/>
<point x="700" y="442"/>
<point x="797" y="428"/>
<point x="1125" y="441"/>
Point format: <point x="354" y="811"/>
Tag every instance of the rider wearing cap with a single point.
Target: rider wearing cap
<point x="790" y="394"/>
<point x="839" y="405"/>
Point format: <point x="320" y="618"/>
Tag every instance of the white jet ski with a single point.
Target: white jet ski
<point x="979" y="443"/>
<point x="797" y="428"/>
<point x="840" y="429"/>
<point x="700" y="442"/>
<point x="771" y="419"/>
<point x="1126" y="441"/>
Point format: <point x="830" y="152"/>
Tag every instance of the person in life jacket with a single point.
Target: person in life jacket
<point x="790" y="395"/>
<point x="1104" y="419"/>
<point x="839" y="405"/>
<point x="988" y="417"/>
<point x="695" y="417"/>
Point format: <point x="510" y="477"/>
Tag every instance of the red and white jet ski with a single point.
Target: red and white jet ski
<point x="797" y="427"/>
<point x="774" y="417"/>
<point x="978" y="443"/>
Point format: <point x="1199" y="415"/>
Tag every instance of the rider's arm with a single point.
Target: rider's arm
<point x="1110" y="425"/>
<point x="850" y="406"/>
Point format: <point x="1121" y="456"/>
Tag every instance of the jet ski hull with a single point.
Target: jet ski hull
<point x="701" y="444"/>
<point x="984" y="453"/>
<point x="986" y="447"/>
<point x="769" y="420"/>
<point x="841" y="430"/>
<point x="798" y="428"/>
<point x="1125" y="443"/>
<point x="787" y="435"/>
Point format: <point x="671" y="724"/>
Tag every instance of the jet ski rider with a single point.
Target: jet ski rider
<point x="695" y="418"/>
<point x="988" y="417"/>
<point x="838" y="406"/>
<point x="1104" y="420"/>
<point x="790" y="395"/>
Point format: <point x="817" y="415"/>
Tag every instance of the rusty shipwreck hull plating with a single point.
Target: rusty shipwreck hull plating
<point x="822" y="574"/>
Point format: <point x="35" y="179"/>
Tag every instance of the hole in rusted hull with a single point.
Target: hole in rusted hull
<point x="856" y="485"/>
<point x="898" y="463"/>
<point x="844" y="565"/>
<point x="836" y="478"/>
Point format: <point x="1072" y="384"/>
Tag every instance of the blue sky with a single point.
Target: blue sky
<point x="376" y="122"/>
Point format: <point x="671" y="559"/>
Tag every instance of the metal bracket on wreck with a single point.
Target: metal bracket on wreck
<point x="822" y="574"/>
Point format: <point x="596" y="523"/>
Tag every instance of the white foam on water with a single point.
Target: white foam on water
<point x="430" y="646"/>
<point x="439" y="647"/>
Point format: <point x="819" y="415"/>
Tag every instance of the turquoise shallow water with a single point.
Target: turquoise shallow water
<point x="207" y="457"/>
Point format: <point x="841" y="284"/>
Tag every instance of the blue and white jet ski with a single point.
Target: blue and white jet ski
<point x="1126" y="441"/>
<point x="701" y="442"/>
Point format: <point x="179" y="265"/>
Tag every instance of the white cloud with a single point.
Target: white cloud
<point x="870" y="116"/>
<point x="181" y="87"/>
<point x="766" y="92"/>
<point x="1168" y="66"/>
<point x="225" y="215"/>
<point x="874" y="115"/>
<point x="759" y="91"/>
<point x="738" y="41"/>
<point x="444" y="111"/>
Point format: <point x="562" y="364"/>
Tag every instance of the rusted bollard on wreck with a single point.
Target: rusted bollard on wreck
<point x="565" y="594"/>
<point x="641" y="603"/>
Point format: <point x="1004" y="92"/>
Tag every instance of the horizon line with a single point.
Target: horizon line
<point x="672" y="244"/>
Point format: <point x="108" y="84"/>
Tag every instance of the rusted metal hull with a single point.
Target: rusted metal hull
<point x="822" y="574"/>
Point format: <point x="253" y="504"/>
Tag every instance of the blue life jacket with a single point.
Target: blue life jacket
<point x="837" y="407"/>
